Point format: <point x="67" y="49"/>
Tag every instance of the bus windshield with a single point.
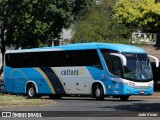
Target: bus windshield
<point x="138" y="67"/>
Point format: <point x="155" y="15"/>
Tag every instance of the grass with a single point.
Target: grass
<point x="13" y="100"/>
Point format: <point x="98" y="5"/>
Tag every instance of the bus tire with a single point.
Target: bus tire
<point x="124" y="98"/>
<point x="55" y="96"/>
<point x="31" y="91"/>
<point x="99" y="92"/>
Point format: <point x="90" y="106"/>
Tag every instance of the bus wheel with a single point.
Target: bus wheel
<point x="55" y="96"/>
<point x="124" y="98"/>
<point x="31" y="91"/>
<point x="99" y="92"/>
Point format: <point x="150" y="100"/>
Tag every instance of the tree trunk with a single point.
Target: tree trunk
<point x="2" y="50"/>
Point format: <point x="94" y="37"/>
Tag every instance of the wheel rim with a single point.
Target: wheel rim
<point x="31" y="92"/>
<point x="98" y="92"/>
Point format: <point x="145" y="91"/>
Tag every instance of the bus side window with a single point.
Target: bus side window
<point x="74" y="58"/>
<point x="54" y="59"/>
<point x="12" y="60"/>
<point x="8" y="59"/>
<point x="91" y="58"/>
<point x="116" y="66"/>
<point x="113" y="63"/>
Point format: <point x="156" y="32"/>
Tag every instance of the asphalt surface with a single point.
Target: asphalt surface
<point x="81" y="108"/>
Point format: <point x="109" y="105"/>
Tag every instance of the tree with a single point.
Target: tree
<point x="96" y="24"/>
<point x="138" y="13"/>
<point x="156" y="1"/>
<point x="28" y="23"/>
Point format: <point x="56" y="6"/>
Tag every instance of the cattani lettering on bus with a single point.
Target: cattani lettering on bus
<point x="74" y="72"/>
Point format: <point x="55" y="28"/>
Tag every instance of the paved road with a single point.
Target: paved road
<point x="82" y="107"/>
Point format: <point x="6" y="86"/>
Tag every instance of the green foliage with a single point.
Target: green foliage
<point x="136" y="13"/>
<point x="96" y="24"/>
<point x="28" y="23"/>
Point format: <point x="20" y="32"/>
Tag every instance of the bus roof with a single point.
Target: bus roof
<point x="80" y="46"/>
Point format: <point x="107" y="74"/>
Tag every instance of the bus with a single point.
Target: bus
<point x="92" y="69"/>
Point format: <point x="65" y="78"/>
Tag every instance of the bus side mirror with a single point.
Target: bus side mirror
<point x="155" y="59"/>
<point x="122" y="57"/>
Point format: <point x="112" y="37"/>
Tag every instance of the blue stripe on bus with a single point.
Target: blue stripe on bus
<point x="54" y="80"/>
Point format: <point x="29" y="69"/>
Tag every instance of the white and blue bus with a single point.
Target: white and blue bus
<point x="95" y="69"/>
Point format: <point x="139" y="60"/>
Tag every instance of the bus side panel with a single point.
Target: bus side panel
<point x="98" y="75"/>
<point x="75" y="80"/>
<point x="8" y="82"/>
<point x="16" y="80"/>
<point x="113" y="87"/>
<point x="51" y="78"/>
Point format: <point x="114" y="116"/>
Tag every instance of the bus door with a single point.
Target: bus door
<point x="116" y="69"/>
<point x="117" y="72"/>
<point x="114" y="63"/>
